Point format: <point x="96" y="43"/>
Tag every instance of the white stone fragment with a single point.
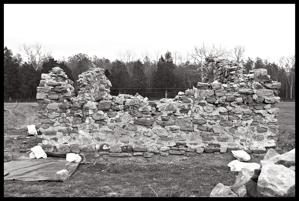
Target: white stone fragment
<point x="62" y="174"/>
<point x="288" y="157"/>
<point x="236" y="166"/>
<point x="31" y="155"/>
<point x="32" y="130"/>
<point x="241" y="155"/>
<point x="38" y="152"/>
<point x="221" y="190"/>
<point x="72" y="157"/>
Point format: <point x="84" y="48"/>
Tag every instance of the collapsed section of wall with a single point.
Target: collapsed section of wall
<point x="237" y="111"/>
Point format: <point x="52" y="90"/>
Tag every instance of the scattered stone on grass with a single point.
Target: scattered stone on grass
<point x="221" y="190"/>
<point x="241" y="155"/>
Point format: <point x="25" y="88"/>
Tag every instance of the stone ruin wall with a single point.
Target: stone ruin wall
<point x="237" y="111"/>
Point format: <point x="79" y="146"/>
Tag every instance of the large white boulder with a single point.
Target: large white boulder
<point x="221" y="190"/>
<point x="275" y="180"/>
<point x="270" y="153"/>
<point x="286" y="158"/>
<point x="241" y="155"/>
<point x="237" y="166"/>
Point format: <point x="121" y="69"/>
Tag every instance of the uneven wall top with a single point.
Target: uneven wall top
<point x="237" y="111"/>
<point x="93" y="85"/>
<point x="55" y="86"/>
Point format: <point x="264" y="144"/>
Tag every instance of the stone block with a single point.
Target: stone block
<point x="164" y="154"/>
<point x="116" y="148"/>
<point x="199" y="121"/>
<point x="148" y="154"/>
<point x="185" y="124"/>
<point x="104" y="105"/>
<point x="273" y="85"/>
<point x="138" y="154"/>
<point x="75" y="148"/>
<point x="53" y="106"/>
<point x="223" y="149"/>
<point x="202" y="85"/>
<point x="139" y="148"/>
<point x="41" y="95"/>
<point x="260" y="72"/>
<point x="63" y="148"/>
<point x="222" y="139"/>
<point x="264" y="92"/>
<point x="211" y="148"/>
<point x="199" y="150"/>
<point x="144" y="121"/>
<point x="176" y="152"/>
<point x="246" y="91"/>
<point x="120" y="154"/>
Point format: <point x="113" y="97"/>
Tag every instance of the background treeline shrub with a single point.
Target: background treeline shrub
<point x="153" y="79"/>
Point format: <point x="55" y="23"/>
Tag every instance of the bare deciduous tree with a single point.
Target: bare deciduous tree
<point x="200" y="54"/>
<point x="288" y="63"/>
<point x="203" y="52"/>
<point x="36" y="55"/>
<point x="238" y="53"/>
<point x="128" y="56"/>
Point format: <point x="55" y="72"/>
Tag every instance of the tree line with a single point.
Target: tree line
<point x="154" y="79"/>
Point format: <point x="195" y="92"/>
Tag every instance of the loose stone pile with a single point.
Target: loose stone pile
<point x="237" y="111"/>
<point x="274" y="177"/>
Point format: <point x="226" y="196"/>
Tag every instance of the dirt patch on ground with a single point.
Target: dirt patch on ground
<point x="172" y="176"/>
<point x="168" y="177"/>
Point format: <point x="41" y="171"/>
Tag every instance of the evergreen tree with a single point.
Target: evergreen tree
<point x="119" y="76"/>
<point x="108" y="74"/>
<point x="11" y="75"/>
<point x="248" y="65"/>
<point x="79" y="63"/>
<point x="51" y="63"/>
<point x="259" y="63"/>
<point x="138" y="81"/>
<point x="28" y="82"/>
<point x="164" y="76"/>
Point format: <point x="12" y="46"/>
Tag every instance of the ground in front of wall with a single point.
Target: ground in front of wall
<point x="172" y="176"/>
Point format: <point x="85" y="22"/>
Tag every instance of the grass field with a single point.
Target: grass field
<point x="136" y="176"/>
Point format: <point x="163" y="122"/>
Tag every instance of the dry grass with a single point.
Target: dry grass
<point x="19" y="115"/>
<point x="286" y="120"/>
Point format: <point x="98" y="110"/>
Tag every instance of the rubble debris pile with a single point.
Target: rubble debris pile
<point x="237" y="111"/>
<point x="274" y="177"/>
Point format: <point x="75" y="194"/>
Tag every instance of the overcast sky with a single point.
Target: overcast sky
<point x="267" y="31"/>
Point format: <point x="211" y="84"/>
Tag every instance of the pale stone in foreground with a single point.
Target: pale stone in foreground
<point x="221" y="190"/>
<point x="270" y="153"/>
<point x="243" y="177"/>
<point x="241" y="155"/>
<point x="62" y="174"/>
<point x="237" y="166"/>
<point x="275" y="180"/>
<point x="38" y="152"/>
<point x="32" y="130"/>
<point x="72" y="157"/>
<point x="287" y="157"/>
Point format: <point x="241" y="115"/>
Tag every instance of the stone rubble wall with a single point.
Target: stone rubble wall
<point x="237" y="111"/>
